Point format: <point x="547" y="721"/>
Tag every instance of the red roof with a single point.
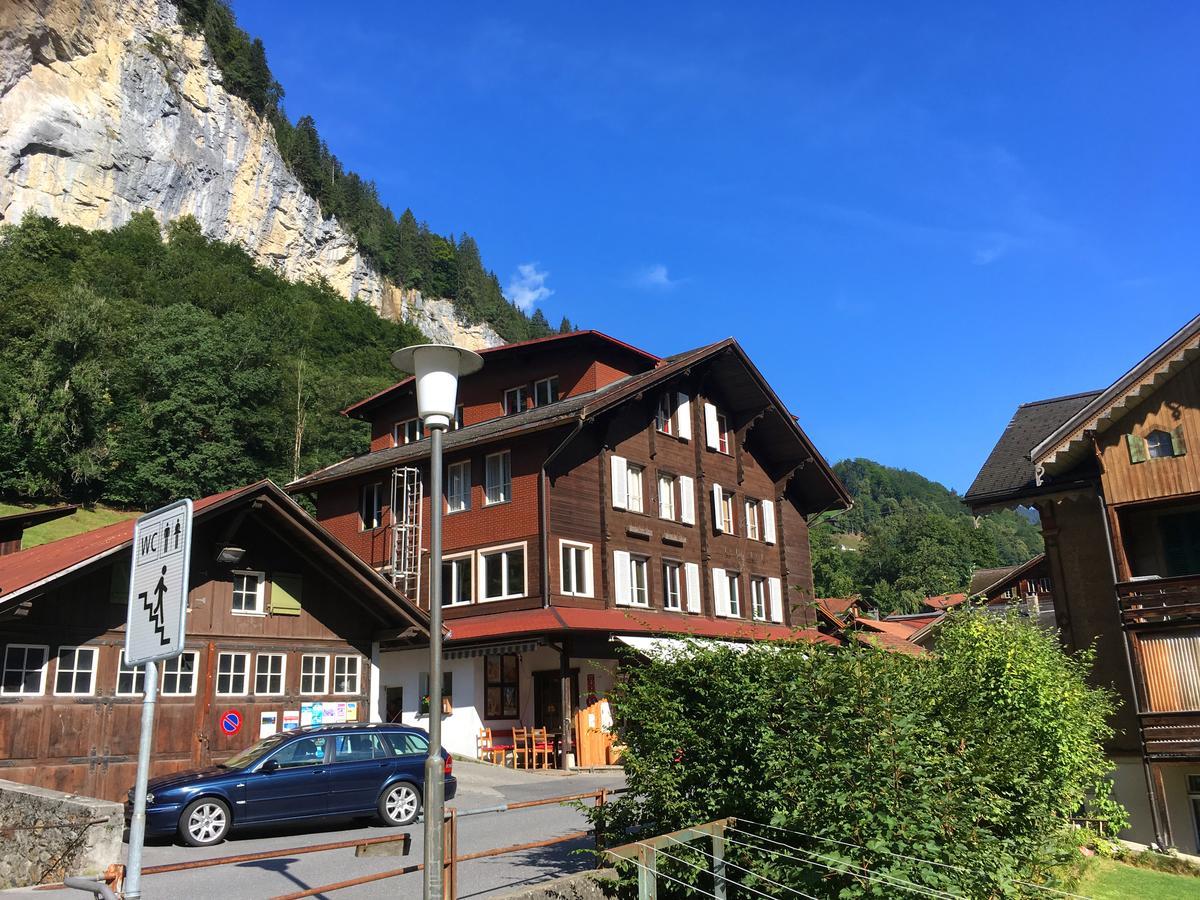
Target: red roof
<point x="883" y="626"/>
<point x="27" y="568"/>
<point x="487" y="351"/>
<point x="884" y="641"/>
<point x="944" y="601"/>
<point x="564" y="618"/>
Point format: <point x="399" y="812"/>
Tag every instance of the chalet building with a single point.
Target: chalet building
<point x="1025" y="587"/>
<point x="595" y="494"/>
<point x="14" y="525"/>
<point x="1115" y="477"/>
<point x="283" y="624"/>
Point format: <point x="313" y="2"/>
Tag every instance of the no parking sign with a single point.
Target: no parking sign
<point x="231" y="721"/>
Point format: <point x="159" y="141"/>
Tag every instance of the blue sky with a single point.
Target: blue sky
<point x="913" y="216"/>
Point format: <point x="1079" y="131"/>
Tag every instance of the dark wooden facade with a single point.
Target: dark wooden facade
<point x="86" y="740"/>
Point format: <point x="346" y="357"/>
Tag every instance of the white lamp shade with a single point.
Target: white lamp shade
<point x="437" y="368"/>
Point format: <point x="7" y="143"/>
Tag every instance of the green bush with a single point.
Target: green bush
<point x="955" y="772"/>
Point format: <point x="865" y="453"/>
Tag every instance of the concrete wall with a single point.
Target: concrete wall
<point x="54" y="835"/>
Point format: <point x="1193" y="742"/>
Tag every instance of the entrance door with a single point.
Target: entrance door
<point x="547" y="698"/>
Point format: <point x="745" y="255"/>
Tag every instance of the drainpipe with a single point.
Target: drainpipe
<point x="544" y="508"/>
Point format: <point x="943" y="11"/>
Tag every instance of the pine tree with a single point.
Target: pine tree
<point x="565" y="326"/>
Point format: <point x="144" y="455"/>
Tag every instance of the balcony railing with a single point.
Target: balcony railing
<point x="1174" y="735"/>
<point x="1160" y="600"/>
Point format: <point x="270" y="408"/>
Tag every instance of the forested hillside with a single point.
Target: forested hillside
<point x="917" y="539"/>
<point x="140" y="367"/>
<point x="402" y="248"/>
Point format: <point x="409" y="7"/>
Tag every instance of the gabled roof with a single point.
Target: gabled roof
<point x="25" y="572"/>
<point x="1063" y="446"/>
<point x="984" y="580"/>
<point x="27" y="518"/>
<point x="944" y="601"/>
<point x="359" y="409"/>
<point x="582" y="407"/>
<point x="1008" y="473"/>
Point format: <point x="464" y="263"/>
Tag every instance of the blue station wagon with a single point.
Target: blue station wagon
<point x="325" y="770"/>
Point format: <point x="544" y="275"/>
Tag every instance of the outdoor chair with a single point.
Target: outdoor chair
<point x="522" y="750"/>
<point x="542" y="748"/>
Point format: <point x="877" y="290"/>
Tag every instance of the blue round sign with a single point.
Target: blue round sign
<point x="231" y="722"/>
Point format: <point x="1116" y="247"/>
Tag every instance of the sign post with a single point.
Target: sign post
<point x="154" y="629"/>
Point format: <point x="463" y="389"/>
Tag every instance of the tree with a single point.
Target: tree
<point x="833" y="568"/>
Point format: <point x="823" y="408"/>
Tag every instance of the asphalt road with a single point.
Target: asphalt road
<point x="478" y="786"/>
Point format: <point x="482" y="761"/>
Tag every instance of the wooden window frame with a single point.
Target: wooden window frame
<point x="589" y="589"/>
<point x="723" y="433"/>
<point x="503" y="683"/>
<point x="728" y="505"/>
<point x="672" y="483"/>
<point x="450" y="559"/>
<point x="178" y="674"/>
<point x="260" y="605"/>
<point x="752" y="510"/>
<point x="675" y="566"/>
<point x="636" y="560"/>
<point x="464" y="464"/>
<point x="135" y="672"/>
<point x="506" y="484"/>
<point x="43" y="669"/>
<point x="281" y="674"/>
<point x="481" y="571"/>
<point x="522" y="394"/>
<point x="376" y="489"/>
<point x="763" y="590"/>
<point x="664" y="415"/>
<point x="75" y="670"/>
<point x="217" y="674"/>
<point x="551" y="383"/>
<point x="346" y="658"/>
<point x="633" y="475"/>
<point x="324" y="691"/>
<point x="400" y="436"/>
<point x="733" y="580"/>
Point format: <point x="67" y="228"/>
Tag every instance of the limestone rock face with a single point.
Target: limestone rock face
<point x="109" y="107"/>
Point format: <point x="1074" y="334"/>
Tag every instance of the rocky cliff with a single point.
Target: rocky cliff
<point x="108" y="107"/>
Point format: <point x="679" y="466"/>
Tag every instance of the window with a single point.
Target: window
<point x="633" y="478"/>
<point x="447" y="693"/>
<point x="662" y="419"/>
<point x="345" y="674"/>
<point x="131" y="680"/>
<point x="722" y="433"/>
<point x="666" y="497"/>
<point x="370" y="506"/>
<point x="76" y="671"/>
<point x="725" y="513"/>
<point x="314" y="672"/>
<point x="458" y="487"/>
<point x="306" y="752"/>
<point x="758" y="598"/>
<point x="498" y="482"/>
<point x="639" y="581"/>
<point x="672" y="596"/>
<point x="1193" y="786"/>
<point x="752" y="519"/>
<point x="248" y="593"/>
<point x="515" y="400"/>
<point x="503" y="572"/>
<point x="179" y="675"/>
<point x="545" y="391"/>
<point x="734" y="580"/>
<point x="268" y="673"/>
<point x="458" y="418"/>
<point x="232" y="670"/>
<point x="24" y="669"/>
<point x="408" y="744"/>
<point x="407" y="432"/>
<point x="359" y="747"/>
<point x="456" y="580"/>
<point x="1158" y="444"/>
<point x="576" y="571"/>
<point x="501" y="695"/>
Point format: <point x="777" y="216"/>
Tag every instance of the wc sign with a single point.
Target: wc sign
<point x="158" y="584"/>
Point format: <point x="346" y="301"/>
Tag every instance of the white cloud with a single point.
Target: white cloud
<point x="527" y="286"/>
<point x="656" y="277"/>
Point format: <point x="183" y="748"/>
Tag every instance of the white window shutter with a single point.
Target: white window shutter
<point x="687" y="500"/>
<point x="621" y="583"/>
<point x="776" y="599"/>
<point x="692" y="577"/>
<point x="768" y="523"/>
<point x="683" y="417"/>
<point x="712" y="434"/>
<point x="620" y="482"/>
<point x="718" y="513"/>
<point x="720" y="592"/>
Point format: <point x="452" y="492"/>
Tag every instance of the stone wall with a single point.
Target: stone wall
<point x="589" y="885"/>
<point x="47" y="835"/>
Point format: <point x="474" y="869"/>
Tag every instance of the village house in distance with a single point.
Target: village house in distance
<point x="596" y="496"/>
<point x="1115" y="476"/>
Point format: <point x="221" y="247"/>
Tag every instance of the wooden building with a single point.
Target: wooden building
<point x="1115" y="477"/>
<point x="14" y="525"/>
<point x="1025" y="587"/>
<point x="594" y="492"/>
<point x="289" y="624"/>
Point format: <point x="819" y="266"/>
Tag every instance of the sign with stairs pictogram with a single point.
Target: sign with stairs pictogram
<point x="158" y="584"/>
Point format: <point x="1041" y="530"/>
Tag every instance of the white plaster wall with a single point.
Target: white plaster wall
<point x="1129" y="789"/>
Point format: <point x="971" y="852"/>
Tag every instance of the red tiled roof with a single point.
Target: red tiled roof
<point x="564" y="618"/>
<point x="26" y="568"/>
<point x="944" y="601"/>
<point x="897" y="629"/>
<point x="885" y="641"/>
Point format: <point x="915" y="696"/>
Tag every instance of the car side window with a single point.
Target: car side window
<point x="306" y="752"/>
<point x="408" y="744"/>
<point x="358" y="748"/>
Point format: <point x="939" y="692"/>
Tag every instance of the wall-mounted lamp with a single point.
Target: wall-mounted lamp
<point x="230" y="555"/>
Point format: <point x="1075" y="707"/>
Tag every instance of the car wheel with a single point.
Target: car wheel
<point x="399" y="804"/>
<point x="204" y="822"/>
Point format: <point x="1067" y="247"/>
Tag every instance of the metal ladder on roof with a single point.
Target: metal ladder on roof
<point x="407" y="494"/>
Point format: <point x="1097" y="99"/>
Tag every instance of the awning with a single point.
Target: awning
<point x="492" y="649"/>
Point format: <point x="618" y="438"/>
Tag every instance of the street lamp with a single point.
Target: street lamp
<point x="437" y="368"/>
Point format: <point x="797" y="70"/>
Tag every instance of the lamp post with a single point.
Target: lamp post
<point x="437" y="368"/>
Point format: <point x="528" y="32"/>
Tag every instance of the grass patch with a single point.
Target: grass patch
<point x="1107" y="879"/>
<point x="84" y="519"/>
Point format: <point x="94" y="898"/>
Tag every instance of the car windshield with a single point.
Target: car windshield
<point x="253" y="753"/>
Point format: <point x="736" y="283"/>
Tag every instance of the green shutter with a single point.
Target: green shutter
<point x="285" y="595"/>
<point x="1178" y="444"/>
<point x="119" y="588"/>
<point x="1137" y="448"/>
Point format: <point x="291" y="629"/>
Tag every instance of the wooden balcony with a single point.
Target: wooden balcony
<point x="1160" y="601"/>
<point x="1171" y="736"/>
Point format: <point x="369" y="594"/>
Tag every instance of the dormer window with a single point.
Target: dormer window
<point x="545" y="391"/>
<point x="515" y="400"/>
<point x="407" y="432"/>
<point x="1158" y="444"/>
